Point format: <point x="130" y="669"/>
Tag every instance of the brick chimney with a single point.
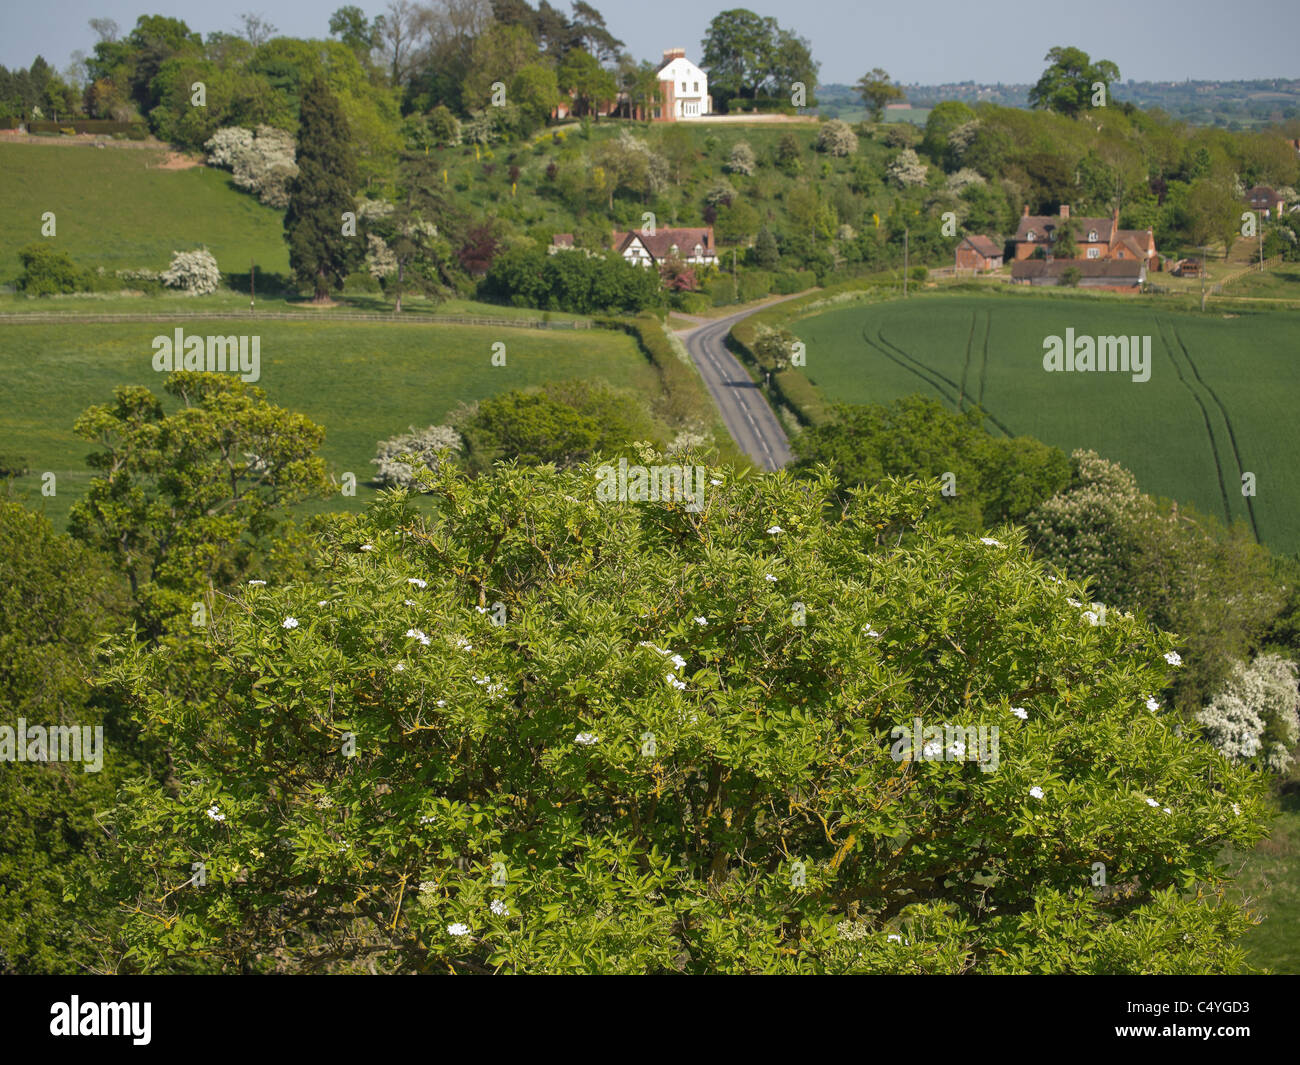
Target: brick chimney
<point x="1065" y="210"/>
<point x="673" y="53"/>
<point x="1026" y="214"/>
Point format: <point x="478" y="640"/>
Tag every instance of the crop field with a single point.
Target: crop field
<point x="116" y="208"/>
<point x="363" y="382"/>
<point x="1220" y="401"/>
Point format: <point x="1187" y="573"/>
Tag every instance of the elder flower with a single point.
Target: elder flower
<point x="1020" y="712"/>
<point x="289" y="623"/>
<point x="1036" y="792"/>
<point x="1173" y="658"/>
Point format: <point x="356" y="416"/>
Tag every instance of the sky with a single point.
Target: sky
<point x="934" y="42"/>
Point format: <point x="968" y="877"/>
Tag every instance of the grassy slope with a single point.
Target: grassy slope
<point x="1156" y="428"/>
<point x="361" y="382"/>
<point x="115" y="208"/>
<point x="1270" y="875"/>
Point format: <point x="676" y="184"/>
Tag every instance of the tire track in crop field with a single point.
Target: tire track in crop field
<point x="970" y="340"/>
<point x="931" y="370"/>
<point x="924" y="372"/>
<point x="1232" y="434"/>
<point x="1205" y="415"/>
<point x="984" y="363"/>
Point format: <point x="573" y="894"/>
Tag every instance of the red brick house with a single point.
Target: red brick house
<point x="1266" y="201"/>
<point x="1098" y="239"/>
<point x="694" y="246"/>
<point x="978" y="253"/>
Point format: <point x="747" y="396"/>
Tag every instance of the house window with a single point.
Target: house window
<point x="699" y="251"/>
<point x="1031" y="234"/>
<point x="697" y="87"/>
<point x="673" y="250"/>
<point x="683" y="86"/>
<point x="1092" y="234"/>
<point x="1094" y="253"/>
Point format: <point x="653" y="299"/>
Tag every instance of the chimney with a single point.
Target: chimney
<point x="1065" y="210"/>
<point x="673" y="53"/>
<point x="1026" y="214"/>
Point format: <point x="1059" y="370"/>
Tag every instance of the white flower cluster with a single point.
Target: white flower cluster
<point x="261" y="163"/>
<point x="837" y="138"/>
<point x="1257" y="714"/>
<point x="422" y="444"/>
<point x="194" y="271"/>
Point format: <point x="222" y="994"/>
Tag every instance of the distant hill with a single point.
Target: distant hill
<point x="1231" y="104"/>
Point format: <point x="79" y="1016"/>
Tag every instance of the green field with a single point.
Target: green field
<point x="114" y="208"/>
<point x="1270" y="877"/>
<point x="1220" y="400"/>
<point x="363" y="382"/>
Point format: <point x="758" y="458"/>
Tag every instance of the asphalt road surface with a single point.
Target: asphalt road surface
<point x="745" y="412"/>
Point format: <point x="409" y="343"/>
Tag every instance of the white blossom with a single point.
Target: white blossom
<point x="458" y="929"/>
<point x="775" y="530"/>
<point x="678" y="684"/>
<point x="1173" y="658"/>
<point x="418" y="635"/>
<point x="1020" y="712"/>
<point x="1036" y="792"/>
<point x="289" y="623"/>
<point x="701" y="621"/>
<point x="499" y="908"/>
<point x="215" y="814"/>
<point x="257" y="582"/>
<point x="417" y="582"/>
<point x="586" y="739"/>
<point x="1152" y="705"/>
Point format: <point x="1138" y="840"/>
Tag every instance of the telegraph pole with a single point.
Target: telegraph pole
<point x="252" y="293"/>
<point x="1204" y="265"/>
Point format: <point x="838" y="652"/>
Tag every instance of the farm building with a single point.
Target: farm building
<point x="1121" y="275"/>
<point x="978" y="253"/>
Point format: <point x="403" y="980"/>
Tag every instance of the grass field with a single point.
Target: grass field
<point x="362" y="382"/>
<point x="1220" y="401"/>
<point x="1270" y="876"/>
<point x="116" y="209"/>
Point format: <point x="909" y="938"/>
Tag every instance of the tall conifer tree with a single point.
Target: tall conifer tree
<point x="320" y="255"/>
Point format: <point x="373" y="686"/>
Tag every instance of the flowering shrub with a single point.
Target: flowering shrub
<point x="1255" y="715"/>
<point x="906" y="169"/>
<point x="261" y="163"/>
<point x="194" y="271"/>
<point x="525" y="730"/>
<point x="837" y="138"/>
<point x="425" y="445"/>
<point x="742" y="160"/>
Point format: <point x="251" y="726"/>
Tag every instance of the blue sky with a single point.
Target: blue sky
<point x="942" y="40"/>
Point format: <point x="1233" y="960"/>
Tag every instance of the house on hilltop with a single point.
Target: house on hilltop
<point x="693" y="246"/>
<point x="1098" y="239"/>
<point x="683" y="89"/>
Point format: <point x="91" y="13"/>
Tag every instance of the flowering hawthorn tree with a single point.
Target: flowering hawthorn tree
<point x="531" y="731"/>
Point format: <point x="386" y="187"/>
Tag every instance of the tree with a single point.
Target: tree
<point x="944" y="118"/>
<point x="583" y="75"/>
<point x="1068" y="84"/>
<point x="320" y="255"/>
<point x="257" y="29"/>
<point x="350" y="25"/>
<point x="737" y="52"/>
<point x="877" y="90"/>
<point x="395" y="30"/>
<point x="766" y="255"/>
<point x="185" y="502"/>
<point x="673" y="751"/>
<point x="48" y="270"/>
<point x="742" y="160"/>
<point x="1166" y="560"/>
<point x="105" y="29"/>
<point x="994" y="480"/>
<point x="1254" y="717"/>
<point x="500" y="53"/>
<point x="408" y="238"/>
<point x="906" y="169"/>
<point x="57" y="599"/>
<point x="836" y="138"/>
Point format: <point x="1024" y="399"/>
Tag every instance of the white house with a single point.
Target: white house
<point x="683" y="88"/>
<point x="693" y="246"/>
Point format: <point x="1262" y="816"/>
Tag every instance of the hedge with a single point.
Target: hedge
<point x="90" y="125"/>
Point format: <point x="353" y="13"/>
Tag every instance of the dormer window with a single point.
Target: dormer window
<point x="1092" y="234"/>
<point x="1031" y="235"/>
<point x="699" y="250"/>
<point x="673" y="250"/>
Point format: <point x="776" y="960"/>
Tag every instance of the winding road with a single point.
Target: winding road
<point x="745" y="412"/>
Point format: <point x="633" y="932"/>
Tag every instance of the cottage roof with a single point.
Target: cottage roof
<point x="660" y="244"/>
<point x="984" y="245"/>
<point x="1116" y="269"/>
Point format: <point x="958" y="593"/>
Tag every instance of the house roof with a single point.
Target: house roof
<point x="562" y="240"/>
<point x="984" y="245"/>
<point x="661" y="243"/>
<point x="1082" y="227"/>
<point x="1116" y="269"/>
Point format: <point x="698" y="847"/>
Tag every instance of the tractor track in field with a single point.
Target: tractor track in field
<point x="965" y="370"/>
<point x="920" y="369"/>
<point x="984" y="365"/>
<point x="1227" y="421"/>
<point x="1205" y="415"/>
